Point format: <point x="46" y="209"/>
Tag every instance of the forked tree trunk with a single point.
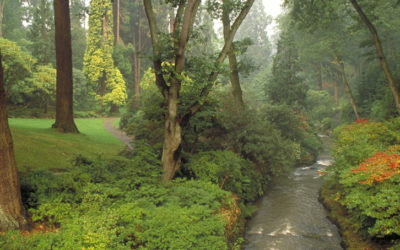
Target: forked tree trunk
<point x="174" y="122"/>
<point x="11" y="210"/>
<point x="348" y="90"/>
<point x="380" y="53"/>
<point x="64" y="89"/>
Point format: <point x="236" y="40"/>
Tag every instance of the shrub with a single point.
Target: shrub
<point x="121" y="204"/>
<point x="368" y="174"/>
<point x="229" y="172"/>
<point x="372" y="192"/>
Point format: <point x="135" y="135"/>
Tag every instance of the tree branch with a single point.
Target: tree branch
<point x="178" y="17"/>
<point x="190" y="12"/>
<point x="161" y="84"/>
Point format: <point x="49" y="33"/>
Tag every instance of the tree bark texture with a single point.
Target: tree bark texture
<point x="64" y="88"/>
<point x="235" y="80"/>
<point x="380" y="53"/>
<point x="348" y="90"/>
<point x="11" y="210"/>
<point x="234" y="72"/>
<point x="336" y="94"/>
<point x="319" y="76"/>
<point x="117" y="25"/>
<point x="2" y="2"/>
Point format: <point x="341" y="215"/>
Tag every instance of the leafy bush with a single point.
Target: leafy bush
<point x="359" y="140"/>
<point x="229" y="172"/>
<point x="367" y="170"/>
<point x="121" y="204"/>
<point x="295" y="127"/>
<point x="372" y="192"/>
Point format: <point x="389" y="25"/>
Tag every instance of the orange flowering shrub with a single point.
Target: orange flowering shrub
<point x="381" y="166"/>
<point x="367" y="168"/>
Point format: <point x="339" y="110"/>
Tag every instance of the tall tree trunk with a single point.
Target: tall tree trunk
<point x="319" y="76"/>
<point x="336" y="95"/>
<point x="64" y="97"/>
<point x="234" y="72"/>
<point x="348" y="90"/>
<point x="171" y="20"/>
<point x="11" y="210"/>
<point x="2" y="2"/>
<point x="117" y="25"/>
<point x="235" y="81"/>
<point x="380" y="53"/>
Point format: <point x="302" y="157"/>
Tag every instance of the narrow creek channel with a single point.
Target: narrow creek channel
<point x="290" y="216"/>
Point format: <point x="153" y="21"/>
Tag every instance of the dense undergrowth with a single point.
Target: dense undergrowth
<point x="365" y="181"/>
<point x="122" y="205"/>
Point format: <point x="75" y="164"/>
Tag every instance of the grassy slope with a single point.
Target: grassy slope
<point x="40" y="147"/>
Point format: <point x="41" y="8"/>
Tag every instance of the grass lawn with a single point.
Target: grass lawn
<point x="37" y="146"/>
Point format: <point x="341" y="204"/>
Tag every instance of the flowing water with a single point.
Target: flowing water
<point x="289" y="216"/>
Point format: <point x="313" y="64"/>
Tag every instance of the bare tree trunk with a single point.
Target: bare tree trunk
<point x="11" y="210"/>
<point x="336" y="95"/>
<point x="380" y="53"/>
<point x="234" y="72"/>
<point x="171" y="20"/>
<point x="235" y="81"/>
<point x="348" y="90"/>
<point x="64" y="89"/>
<point x="2" y="2"/>
<point x="118" y="19"/>
<point x="319" y="76"/>
<point x="171" y="156"/>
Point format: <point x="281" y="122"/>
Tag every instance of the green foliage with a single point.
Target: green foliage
<point x="43" y="85"/>
<point x="228" y="171"/>
<point x="285" y="86"/>
<point x="320" y="108"/>
<point x="358" y="141"/>
<point x="41" y="31"/>
<point x="17" y="66"/>
<point x="366" y="169"/>
<point x="122" y="204"/>
<point x="145" y="120"/>
<point x="294" y="127"/>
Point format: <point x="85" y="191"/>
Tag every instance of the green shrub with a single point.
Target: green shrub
<point x="367" y="171"/>
<point x="121" y="204"/>
<point x="229" y="172"/>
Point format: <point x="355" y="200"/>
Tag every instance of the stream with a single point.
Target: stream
<point x="290" y="216"/>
